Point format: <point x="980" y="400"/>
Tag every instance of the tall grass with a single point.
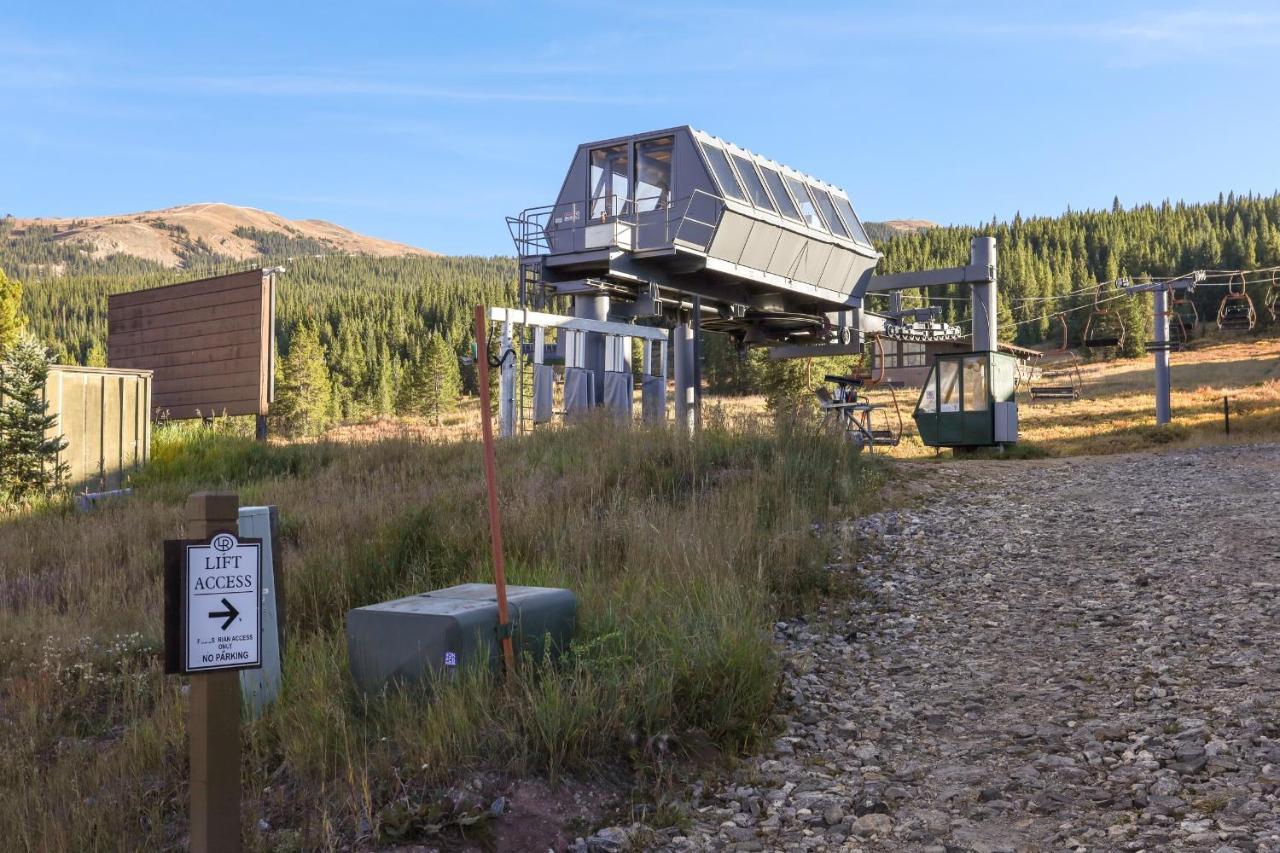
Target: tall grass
<point x="682" y="552"/>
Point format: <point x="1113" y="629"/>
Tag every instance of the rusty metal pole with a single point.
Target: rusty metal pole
<point x="491" y="482"/>
<point x="213" y="727"/>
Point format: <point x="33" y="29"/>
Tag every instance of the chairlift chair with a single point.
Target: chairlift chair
<point x="1236" y="313"/>
<point x="865" y="424"/>
<point x="1104" y="329"/>
<point x="1184" y="317"/>
<point x="1272" y="299"/>
<point x="1178" y="334"/>
<point x="1064" y="381"/>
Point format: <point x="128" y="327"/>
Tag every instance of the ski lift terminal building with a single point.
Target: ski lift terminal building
<point x="774" y="255"/>
<point x="679" y="227"/>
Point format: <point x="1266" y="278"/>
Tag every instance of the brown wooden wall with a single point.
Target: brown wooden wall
<point x="208" y="343"/>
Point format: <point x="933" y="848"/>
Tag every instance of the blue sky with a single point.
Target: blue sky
<point x="429" y="122"/>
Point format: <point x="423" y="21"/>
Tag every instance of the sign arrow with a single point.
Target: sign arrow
<point x="231" y="613"/>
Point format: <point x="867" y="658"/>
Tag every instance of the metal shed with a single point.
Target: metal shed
<point x="652" y="219"/>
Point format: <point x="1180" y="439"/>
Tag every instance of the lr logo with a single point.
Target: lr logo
<point x="223" y="542"/>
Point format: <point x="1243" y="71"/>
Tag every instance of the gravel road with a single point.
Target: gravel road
<point x="1067" y="654"/>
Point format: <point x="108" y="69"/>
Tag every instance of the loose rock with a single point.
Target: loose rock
<point x="1050" y="654"/>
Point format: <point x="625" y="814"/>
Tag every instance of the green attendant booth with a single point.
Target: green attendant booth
<point x="968" y="401"/>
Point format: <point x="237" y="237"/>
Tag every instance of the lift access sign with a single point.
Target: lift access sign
<point x="222" y="613"/>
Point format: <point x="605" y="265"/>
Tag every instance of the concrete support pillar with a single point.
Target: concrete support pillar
<point x="593" y="308"/>
<point x="982" y="252"/>
<point x="1160" y="302"/>
<point x="683" y="374"/>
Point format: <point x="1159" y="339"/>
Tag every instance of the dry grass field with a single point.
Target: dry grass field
<point x="1117" y="410"/>
<point x="682" y="553"/>
<point x="1116" y="413"/>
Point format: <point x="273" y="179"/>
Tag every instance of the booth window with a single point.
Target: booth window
<point x="929" y="397"/>
<point x="808" y="211"/>
<point x="829" y="213"/>
<point x="948" y="386"/>
<point x="851" y="220"/>
<point x="975" y="383"/>
<point x="724" y="172"/>
<point x="785" y="205"/>
<point x="752" y="183"/>
<point x="610" y="179"/>
<point x="653" y="173"/>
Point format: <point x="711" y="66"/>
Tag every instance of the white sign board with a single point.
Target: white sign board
<point x="223" y="615"/>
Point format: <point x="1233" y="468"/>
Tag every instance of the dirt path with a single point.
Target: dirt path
<point x="1063" y="654"/>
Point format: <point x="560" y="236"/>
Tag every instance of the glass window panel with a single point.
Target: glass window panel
<point x="851" y="220"/>
<point x="948" y="386"/>
<point x="785" y="205"/>
<point x="752" y="183"/>
<point x="610" y="181"/>
<point x="808" y="211"/>
<point x="929" y="396"/>
<point x="724" y="172"/>
<point x="975" y="383"/>
<point x="1004" y="380"/>
<point x="829" y="212"/>
<point x="653" y="173"/>
<point x="913" y="354"/>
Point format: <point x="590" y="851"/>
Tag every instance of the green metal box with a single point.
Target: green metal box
<point x="437" y="633"/>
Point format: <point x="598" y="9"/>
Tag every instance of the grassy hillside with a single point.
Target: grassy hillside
<point x="682" y="554"/>
<point x="1116" y="410"/>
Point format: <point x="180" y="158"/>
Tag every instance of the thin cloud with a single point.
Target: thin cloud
<point x="298" y="85"/>
<point x="1207" y="30"/>
<point x="1196" y="28"/>
<point x="326" y="86"/>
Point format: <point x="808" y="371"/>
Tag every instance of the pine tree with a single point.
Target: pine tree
<point x="97" y="355"/>
<point x="384" y="393"/>
<point x="11" y="322"/>
<point x="434" y="383"/>
<point x="1136" y="313"/>
<point x="304" y="393"/>
<point x="1006" y="326"/>
<point x="29" y="465"/>
<point x="786" y="392"/>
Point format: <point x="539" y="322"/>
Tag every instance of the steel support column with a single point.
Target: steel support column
<point x="697" y="362"/>
<point x="507" y="383"/>
<point x="593" y="308"/>
<point x="982" y="253"/>
<point x="1160" y="302"/>
<point x="682" y="351"/>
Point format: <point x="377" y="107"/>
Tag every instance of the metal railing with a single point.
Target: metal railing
<point x="552" y="228"/>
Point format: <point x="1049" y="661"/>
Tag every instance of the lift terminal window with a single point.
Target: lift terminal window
<point x="610" y="179"/>
<point x="653" y="173"/>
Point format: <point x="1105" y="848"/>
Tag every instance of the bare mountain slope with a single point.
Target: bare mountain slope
<point x="166" y="236"/>
<point x="908" y="225"/>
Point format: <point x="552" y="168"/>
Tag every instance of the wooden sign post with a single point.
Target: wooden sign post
<point x="213" y="629"/>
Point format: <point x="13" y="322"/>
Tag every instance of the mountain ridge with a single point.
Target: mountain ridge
<point x="168" y="236"/>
